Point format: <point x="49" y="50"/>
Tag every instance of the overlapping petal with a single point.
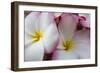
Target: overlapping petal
<point x="67" y="26"/>
<point x="50" y="39"/>
<point x="45" y="20"/>
<point x="50" y="32"/>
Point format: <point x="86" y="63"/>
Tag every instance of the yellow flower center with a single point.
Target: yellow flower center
<point x="36" y="36"/>
<point x="67" y="45"/>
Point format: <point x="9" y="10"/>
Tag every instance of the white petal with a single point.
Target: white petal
<point x="28" y="39"/>
<point x="50" y="38"/>
<point x="45" y="19"/>
<point x="87" y="22"/>
<point x="82" y="43"/>
<point x="64" y="55"/>
<point x="34" y="52"/>
<point x="31" y="22"/>
<point x="67" y="26"/>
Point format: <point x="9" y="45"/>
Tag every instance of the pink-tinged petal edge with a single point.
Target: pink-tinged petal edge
<point x="84" y="21"/>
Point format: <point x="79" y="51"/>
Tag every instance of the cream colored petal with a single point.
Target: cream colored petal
<point x="31" y="22"/>
<point x="50" y="38"/>
<point x="28" y="39"/>
<point x="34" y="52"/>
<point x="45" y="20"/>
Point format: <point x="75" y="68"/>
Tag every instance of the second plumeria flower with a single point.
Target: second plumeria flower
<point x="73" y="44"/>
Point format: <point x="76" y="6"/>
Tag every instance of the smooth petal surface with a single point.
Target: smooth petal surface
<point x="45" y="20"/>
<point x="63" y="55"/>
<point x="28" y="39"/>
<point x="85" y="22"/>
<point x="50" y="39"/>
<point x="67" y="26"/>
<point x="31" y="22"/>
<point x="34" y="52"/>
<point x="82" y="43"/>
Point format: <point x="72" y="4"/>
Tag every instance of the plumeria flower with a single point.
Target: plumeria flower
<point x="40" y="35"/>
<point x="73" y="44"/>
